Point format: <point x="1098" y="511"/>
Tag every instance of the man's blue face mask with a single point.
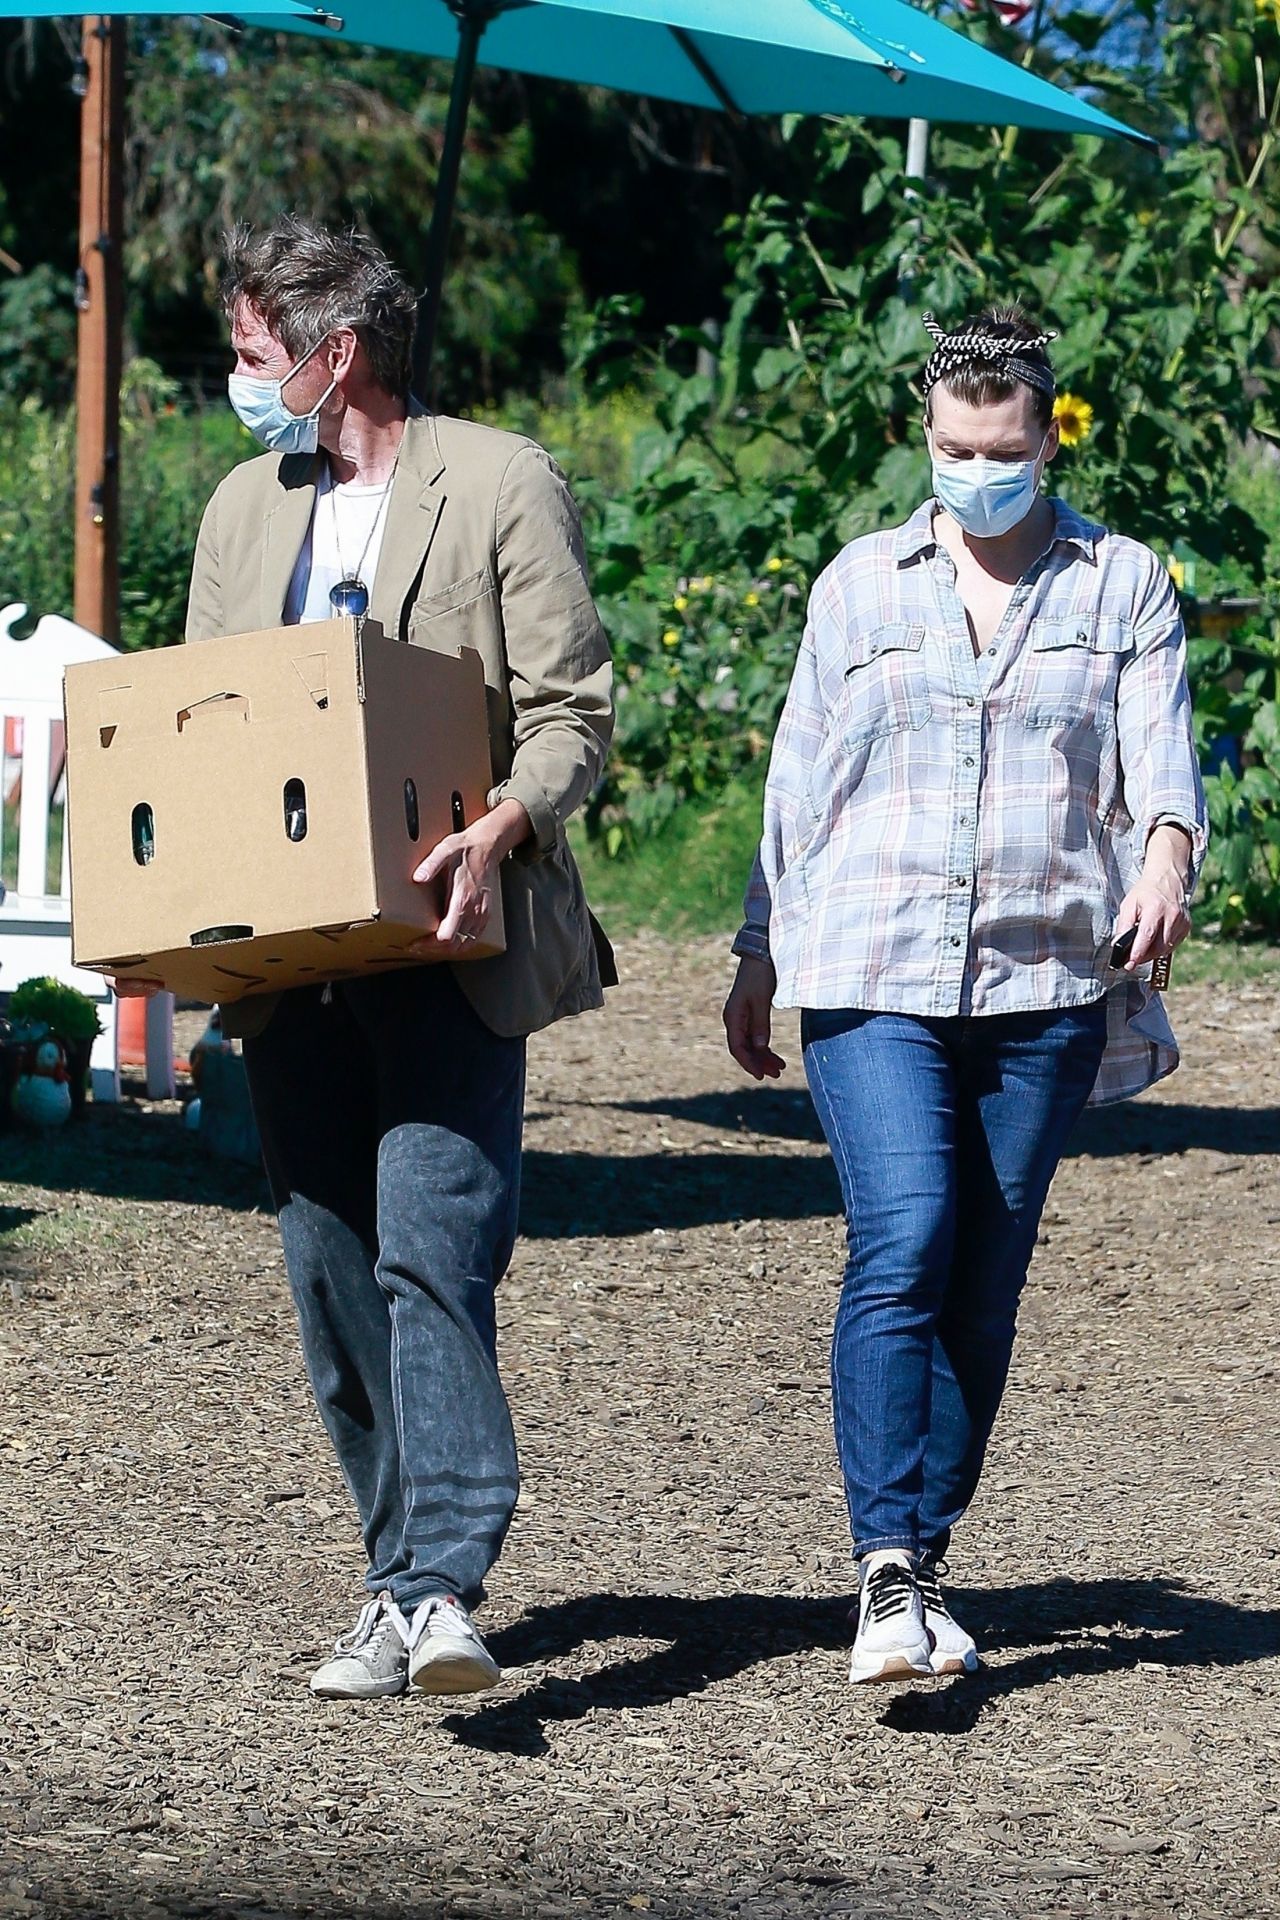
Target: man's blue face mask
<point x="260" y="406"/>
<point x="988" y="497"/>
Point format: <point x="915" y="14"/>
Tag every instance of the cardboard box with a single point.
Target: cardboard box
<point x="245" y="814"/>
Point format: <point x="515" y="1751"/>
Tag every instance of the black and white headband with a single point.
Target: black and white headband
<point x="951" y="351"/>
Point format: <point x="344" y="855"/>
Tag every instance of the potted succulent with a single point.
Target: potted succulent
<point x="70" y="1016"/>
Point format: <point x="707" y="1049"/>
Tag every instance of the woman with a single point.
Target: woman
<point x="984" y="777"/>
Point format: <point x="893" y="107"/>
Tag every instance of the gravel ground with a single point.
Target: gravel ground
<point x="675" y="1733"/>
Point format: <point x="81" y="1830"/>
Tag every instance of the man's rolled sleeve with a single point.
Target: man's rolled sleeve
<point x="561" y="675"/>
<point x="1156" y="737"/>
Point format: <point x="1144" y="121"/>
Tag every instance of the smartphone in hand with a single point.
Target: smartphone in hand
<point x="1124" y="946"/>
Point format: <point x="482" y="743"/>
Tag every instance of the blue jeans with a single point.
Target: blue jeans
<point x="391" y="1121"/>
<point x="946" y="1134"/>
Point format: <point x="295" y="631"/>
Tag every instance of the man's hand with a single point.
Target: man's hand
<point x="1157" y="905"/>
<point x="127" y="989"/>
<point x="467" y="863"/>
<point x="748" y="1019"/>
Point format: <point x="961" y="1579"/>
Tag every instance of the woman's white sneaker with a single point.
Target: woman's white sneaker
<point x="954" y="1650"/>
<point x="371" y="1660"/>
<point x="446" y="1654"/>
<point x="892" y="1642"/>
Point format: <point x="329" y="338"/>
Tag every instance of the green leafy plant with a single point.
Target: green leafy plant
<point x="1238" y="729"/>
<point x="1157" y="272"/>
<point x="65" y="1011"/>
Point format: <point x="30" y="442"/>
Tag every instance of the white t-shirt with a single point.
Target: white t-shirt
<point x="347" y="522"/>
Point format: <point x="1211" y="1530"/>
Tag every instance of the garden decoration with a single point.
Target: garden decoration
<point x="41" y="1095"/>
<point x="70" y="1018"/>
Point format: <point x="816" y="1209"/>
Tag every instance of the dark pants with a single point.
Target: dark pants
<point x="946" y="1134"/>
<point x="391" y="1121"/>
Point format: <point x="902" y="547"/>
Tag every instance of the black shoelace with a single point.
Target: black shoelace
<point x="929" y="1575"/>
<point x="890" y="1591"/>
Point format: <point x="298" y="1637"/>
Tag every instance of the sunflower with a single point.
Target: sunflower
<point x="1074" y="417"/>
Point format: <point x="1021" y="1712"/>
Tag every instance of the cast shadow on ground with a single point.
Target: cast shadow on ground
<point x="1134" y="1126"/>
<point x="1100" y="1626"/>
<point x="129" y="1154"/>
<point x="575" y="1195"/>
<point x="1069" y="1628"/>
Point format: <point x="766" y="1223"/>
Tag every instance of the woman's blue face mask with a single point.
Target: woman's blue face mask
<point x="988" y="497"/>
<point x="260" y="406"/>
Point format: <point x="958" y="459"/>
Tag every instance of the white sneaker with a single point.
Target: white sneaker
<point x="891" y="1642"/>
<point x="371" y="1660"/>
<point x="954" y="1650"/>
<point x="446" y="1654"/>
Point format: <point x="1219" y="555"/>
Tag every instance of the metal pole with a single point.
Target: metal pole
<point x="917" y="150"/>
<point x="916" y="169"/>
<point x="473" y="18"/>
<point x="99" y="348"/>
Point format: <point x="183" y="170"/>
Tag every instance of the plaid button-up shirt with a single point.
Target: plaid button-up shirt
<point x="945" y="834"/>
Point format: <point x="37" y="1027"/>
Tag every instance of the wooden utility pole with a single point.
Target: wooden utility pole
<point x="99" y="352"/>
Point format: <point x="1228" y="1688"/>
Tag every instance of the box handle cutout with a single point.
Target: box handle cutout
<point x="214" y="936"/>
<point x="458" y="811"/>
<point x="234" y="705"/>
<point x="295" y="809"/>
<point x="143" y="829"/>
<point x="411" y="809"/>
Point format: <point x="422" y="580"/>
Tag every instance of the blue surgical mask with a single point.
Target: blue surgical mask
<point x="260" y="406"/>
<point x="988" y="497"/>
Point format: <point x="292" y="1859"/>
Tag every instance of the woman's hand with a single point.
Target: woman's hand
<point x="748" y="1019"/>
<point x="468" y="864"/>
<point x="1157" y="905"/>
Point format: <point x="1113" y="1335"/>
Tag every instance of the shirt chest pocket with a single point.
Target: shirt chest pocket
<point x="1073" y="667"/>
<point x="885" y="688"/>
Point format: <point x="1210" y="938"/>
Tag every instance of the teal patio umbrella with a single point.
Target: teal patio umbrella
<point x="880" y="58"/>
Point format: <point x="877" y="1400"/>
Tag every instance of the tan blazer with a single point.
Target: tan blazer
<point x="482" y="548"/>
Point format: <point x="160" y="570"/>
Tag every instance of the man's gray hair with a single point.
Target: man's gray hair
<point x="306" y="280"/>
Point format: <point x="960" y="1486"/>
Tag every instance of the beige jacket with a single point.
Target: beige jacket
<point x="482" y="548"/>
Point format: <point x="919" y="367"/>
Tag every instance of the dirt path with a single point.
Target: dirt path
<point x="675" y="1734"/>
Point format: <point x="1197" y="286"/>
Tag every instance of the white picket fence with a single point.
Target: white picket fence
<point x="35" y="916"/>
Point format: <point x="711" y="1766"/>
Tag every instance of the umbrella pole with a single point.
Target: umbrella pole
<point x="100" y="331"/>
<point x="472" y="21"/>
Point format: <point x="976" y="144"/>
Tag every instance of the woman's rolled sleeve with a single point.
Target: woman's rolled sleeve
<point x="796" y="747"/>
<point x="1156" y="738"/>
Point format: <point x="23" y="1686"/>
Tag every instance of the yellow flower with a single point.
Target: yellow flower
<point x="1074" y="415"/>
<point x="774" y="565"/>
<point x="751" y="599"/>
<point x="680" y="602"/>
<point x="704" y="585"/>
<point x="671" y="638"/>
<point x="1237" y="899"/>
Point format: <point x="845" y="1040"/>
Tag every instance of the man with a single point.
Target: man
<point x="983" y="817"/>
<point x="391" y="1108"/>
